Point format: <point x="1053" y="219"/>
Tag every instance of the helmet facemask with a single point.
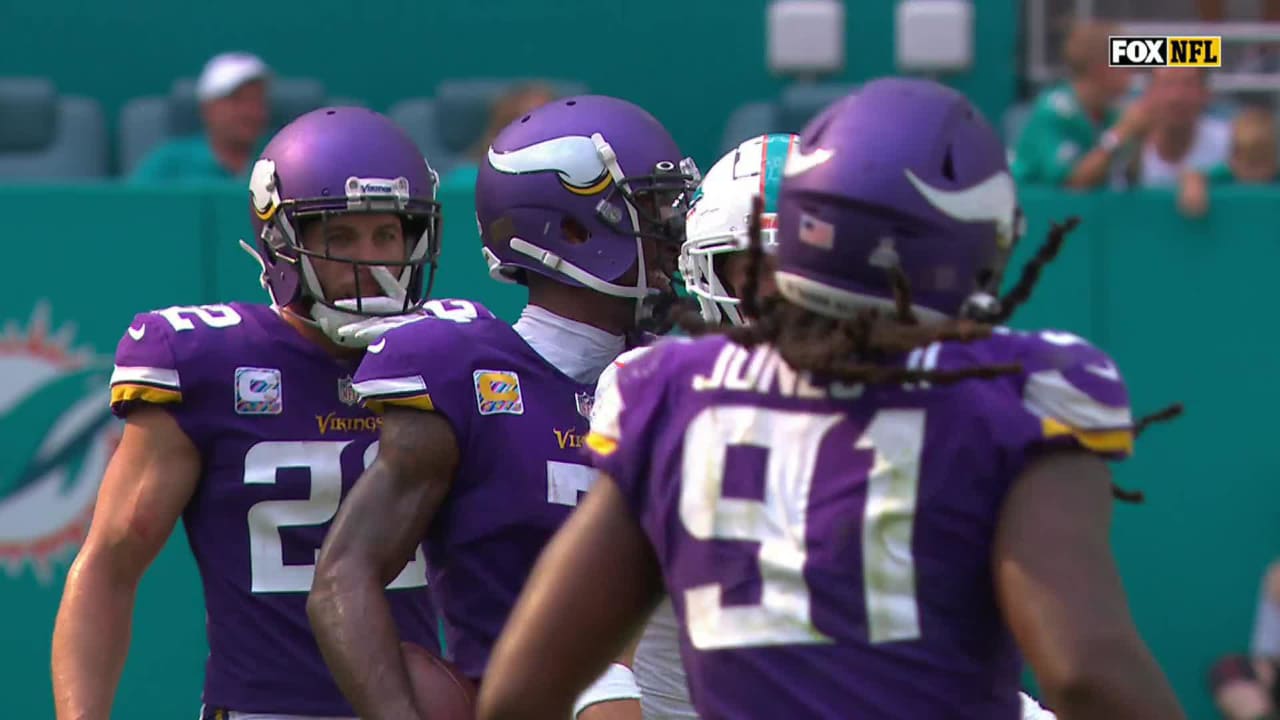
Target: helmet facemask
<point x="702" y="260"/>
<point x="655" y="207"/>
<point x="402" y="286"/>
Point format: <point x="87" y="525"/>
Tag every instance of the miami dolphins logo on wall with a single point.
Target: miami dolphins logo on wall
<point x="57" y="433"/>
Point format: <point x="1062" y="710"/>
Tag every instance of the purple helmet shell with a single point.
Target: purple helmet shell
<point x="339" y="160"/>
<point x="570" y="190"/>
<point x="902" y="172"/>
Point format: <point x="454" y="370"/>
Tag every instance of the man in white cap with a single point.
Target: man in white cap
<point x="232" y="92"/>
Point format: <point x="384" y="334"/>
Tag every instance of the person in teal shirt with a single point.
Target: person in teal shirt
<point x="232" y="91"/>
<point x="1075" y="137"/>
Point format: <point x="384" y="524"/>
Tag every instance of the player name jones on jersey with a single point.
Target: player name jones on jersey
<point x="762" y="370"/>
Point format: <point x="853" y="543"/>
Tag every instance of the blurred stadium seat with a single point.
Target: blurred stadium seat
<point x="147" y="121"/>
<point x="794" y="108"/>
<point x="48" y="136"/>
<point x="448" y="125"/>
<point x="799" y="103"/>
<point x="418" y="118"/>
<point x="747" y="121"/>
<point x="291" y="97"/>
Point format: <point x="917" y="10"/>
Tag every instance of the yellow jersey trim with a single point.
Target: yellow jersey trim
<point x="1108" y="441"/>
<point x="126" y="392"/>
<point x="415" y="402"/>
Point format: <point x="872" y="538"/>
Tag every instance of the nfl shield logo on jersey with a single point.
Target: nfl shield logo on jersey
<point x="585" y="402"/>
<point x="498" y="392"/>
<point x="347" y="393"/>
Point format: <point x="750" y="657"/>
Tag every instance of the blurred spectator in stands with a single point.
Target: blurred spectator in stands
<point x="232" y="92"/>
<point x="1258" y="58"/>
<point x="1182" y="136"/>
<point x="1252" y="160"/>
<point x="1244" y="687"/>
<point x="1216" y="10"/>
<point x="508" y="108"/>
<point x="1076" y="136"/>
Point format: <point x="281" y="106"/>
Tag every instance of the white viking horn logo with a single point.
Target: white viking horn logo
<point x="573" y="158"/>
<point x="992" y="200"/>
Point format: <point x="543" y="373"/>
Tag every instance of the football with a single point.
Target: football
<point x="441" y="690"/>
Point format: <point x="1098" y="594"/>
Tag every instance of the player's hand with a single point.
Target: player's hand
<point x="1135" y="121"/>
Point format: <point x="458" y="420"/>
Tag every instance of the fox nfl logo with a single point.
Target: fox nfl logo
<point x="1133" y="51"/>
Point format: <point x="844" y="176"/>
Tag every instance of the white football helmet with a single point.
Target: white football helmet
<point x="720" y="215"/>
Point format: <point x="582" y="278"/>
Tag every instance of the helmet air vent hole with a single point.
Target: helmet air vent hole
<point x="574" y="232"/>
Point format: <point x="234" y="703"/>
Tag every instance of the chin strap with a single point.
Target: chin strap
<point x="353" y="323"/>
<point x="349" y="328"/>
<point x="262" y="277"/>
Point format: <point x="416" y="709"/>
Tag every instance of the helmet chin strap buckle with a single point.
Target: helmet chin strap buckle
<point x="577" y="274"/>
<point x="253" y="253"/>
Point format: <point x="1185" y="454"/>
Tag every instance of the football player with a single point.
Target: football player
<point x="864" y="503"/>
<point x="713" y="264"/>
<point x="483" y="422"/>
<point x="347" y="227"/>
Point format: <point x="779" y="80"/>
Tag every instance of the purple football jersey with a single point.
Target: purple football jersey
<point x="520" y="425"/>
<point x="276" y="463"/>
<point x="826" y="546"/>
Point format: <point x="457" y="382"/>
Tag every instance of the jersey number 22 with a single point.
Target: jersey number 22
<point x="323" y="460"/>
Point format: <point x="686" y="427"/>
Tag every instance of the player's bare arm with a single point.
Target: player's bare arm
<point x="147" y="484"/>
<point x="374" y="534"/>
<point x="588" y="596"/>
<point x="1062" y="595"/>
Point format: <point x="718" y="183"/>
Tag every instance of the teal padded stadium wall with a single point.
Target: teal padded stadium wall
<point x="1179" y="304"/>
<point x="690" y="63"/>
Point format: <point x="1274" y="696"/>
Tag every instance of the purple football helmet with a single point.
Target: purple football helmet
<point x="570" y="190"/>
<point x="902" y="172"/>
<point x="333" y="161"/>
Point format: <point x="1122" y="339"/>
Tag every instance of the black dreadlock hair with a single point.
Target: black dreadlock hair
<point x="1021" y="290"/>
<point x="848" y="349"/>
